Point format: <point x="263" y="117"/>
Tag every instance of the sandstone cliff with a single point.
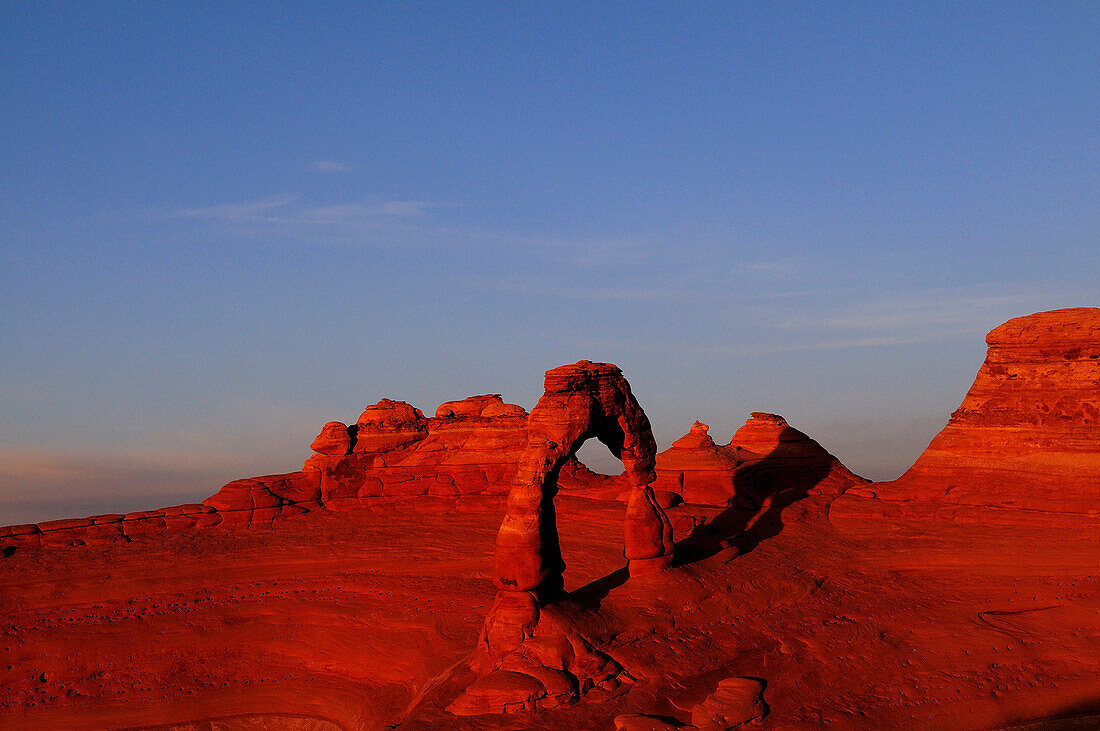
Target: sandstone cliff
<point x="1027" y="435"/>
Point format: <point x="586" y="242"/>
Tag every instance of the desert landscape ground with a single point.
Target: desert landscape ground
<point x="751" y="582"/>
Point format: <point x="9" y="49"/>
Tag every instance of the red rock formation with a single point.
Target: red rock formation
<point x="334" y="440"/>
<point x="389" y="425"/>
<point x="766" y="458"/>
<point x="99" y="529"/>
<point x="580" y="401"/>
<point x="523" y="638"/>
<point x="781" y="464"/>
<point x="697" y="469"/>
<point x="471" y="446"/>
<point x="1027" y="434"/>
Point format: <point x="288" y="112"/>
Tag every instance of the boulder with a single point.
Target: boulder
<point x="735" y="702"/>
<point x="333" y="440"/>
<point x="501" y="691"/>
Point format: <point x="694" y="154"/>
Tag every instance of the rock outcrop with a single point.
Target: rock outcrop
<point x="98" y="529"/>
<point x="697" y="469"/>
<point x="735" y="702"/>
<point x="1027" y="435"/>
<point x="470" y="447"/>
<point x="766" y="458"/>
<point x="334" y="440"/>
<point x="782" y="464"/>
<point x="525" y="637"/>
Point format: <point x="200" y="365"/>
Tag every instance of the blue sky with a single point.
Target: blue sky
<point x="222" y="227"/>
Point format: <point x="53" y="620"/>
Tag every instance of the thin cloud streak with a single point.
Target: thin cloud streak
<point x="324" y="225"/>
<point x="777" y="265"/>
<point x="895" y="315"/>
<point x="905" y="314"/>
<point x="251" y="211"/>
<point x="323" y="214"/>
<point x="47" y="464"/>
<point x="261" y="211"/>
<point x="64" y="485"/>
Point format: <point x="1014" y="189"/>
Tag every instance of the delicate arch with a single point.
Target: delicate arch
<point x="581" y="401"/>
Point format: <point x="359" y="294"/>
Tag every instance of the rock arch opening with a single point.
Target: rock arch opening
<point x="595" y="458"/>
<point x="581" y="401"/>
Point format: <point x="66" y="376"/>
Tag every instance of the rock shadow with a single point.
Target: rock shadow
<point x="763" y="488"/>
<point x="592" y="594"/>
<point x="1084" y="714"/>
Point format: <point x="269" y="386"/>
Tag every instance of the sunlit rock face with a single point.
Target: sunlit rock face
<point x="766" y="458"/>
<point x="530" y="654"/>
<point x="351" y="593"/>
<point x="697" y="469"/>
<point x="470" y="447"/>
<point x="1027" y="434"/>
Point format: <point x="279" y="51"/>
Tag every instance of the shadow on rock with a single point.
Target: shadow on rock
<point x="1084" y="714"/>
<point x="763" y="488"/>
<point x="594" y="592"/>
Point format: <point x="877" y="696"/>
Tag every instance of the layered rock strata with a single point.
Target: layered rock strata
<point x="1027" y="435"/>
<point x="766" y="458"/>
<point x="469" y="447"/>
<point x="108" y="528"/>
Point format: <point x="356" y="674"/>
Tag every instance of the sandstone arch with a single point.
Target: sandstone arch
<point x="581" y="401"/>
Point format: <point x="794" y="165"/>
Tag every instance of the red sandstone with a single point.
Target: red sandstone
<point x="358" y="592"/>
<point x="1027" y="435"/>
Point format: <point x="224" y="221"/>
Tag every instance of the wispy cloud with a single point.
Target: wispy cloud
<point x="912" y="317"/>
<point x="906" y="311"/>
<point x="764" y="346"/>
<point x="260" y="210"/>
<point x="537" y="288"/>
<point x="331" y="166"/>
<point x="287" y="210"/>
<point x="775" y="265"/>
<point x="367" y="210"/>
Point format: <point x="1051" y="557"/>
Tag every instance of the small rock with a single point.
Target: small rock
<point x="499" y="692"/>
<point x="735" y="702"/>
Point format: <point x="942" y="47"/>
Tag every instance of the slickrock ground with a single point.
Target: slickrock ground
<point x="801" y="596"/>
<point x="346" y="616"/>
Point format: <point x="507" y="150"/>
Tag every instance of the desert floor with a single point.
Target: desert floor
<point x="362" y="619"/>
